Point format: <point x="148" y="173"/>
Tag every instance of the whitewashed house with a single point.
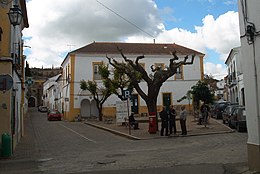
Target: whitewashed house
<point x="58" y="99"/>
<point x="83" y="64"/>
<point x="235" y="84"/>
<point x="219" y="93"/>
<point x="49" y="92"/>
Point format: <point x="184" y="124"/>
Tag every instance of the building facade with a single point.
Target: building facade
<point x="219" y="93"/>
<point x="234" y="82"/>
<point x="83" y="64"/>
<point x="37" y="77"/>
<point x="51" y="91"/>
<point x="12" y="65"/>
<point x="249" y="22"/>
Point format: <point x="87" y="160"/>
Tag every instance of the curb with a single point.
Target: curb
<point x="137" y="138"/>
<point x="231" y="130"/>
<point x="114" y="131"/>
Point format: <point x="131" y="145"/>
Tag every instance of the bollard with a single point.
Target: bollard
<point x="6" y="150"/>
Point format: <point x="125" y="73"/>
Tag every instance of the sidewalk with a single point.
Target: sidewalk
<point x="213" y="127"/>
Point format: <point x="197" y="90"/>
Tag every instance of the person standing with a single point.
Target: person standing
<point x="164" y="121"/>
<point x="204" y="109"/>
<point x="183" y="118"/>
<point x="172" y="123"/>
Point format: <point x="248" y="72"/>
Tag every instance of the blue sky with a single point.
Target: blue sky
<point x="189" y="13"/>
<point x="208" y="26"/>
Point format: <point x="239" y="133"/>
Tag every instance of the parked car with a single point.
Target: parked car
<point x="238" y="119"/>
<point x="228" y="112"/>
<point x="54" y="115"/>
<point x="218" y="108"/>
<point x="42" y="109"/>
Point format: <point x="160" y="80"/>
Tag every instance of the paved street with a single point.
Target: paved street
<point x="66" y="147"/>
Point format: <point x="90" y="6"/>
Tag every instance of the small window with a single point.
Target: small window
<point x="179" y="74"/>
<point x="96" y="75"/>
<point x="159" y="65"/>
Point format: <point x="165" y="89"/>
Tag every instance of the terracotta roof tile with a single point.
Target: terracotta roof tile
<point x="135" y="48"/>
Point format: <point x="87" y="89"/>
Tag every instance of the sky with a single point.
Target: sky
<point x="60" y="26"/>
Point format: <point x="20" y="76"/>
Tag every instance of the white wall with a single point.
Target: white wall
<point x="18" y="97"/>
<point x="178" y="88"/>
<point x="251" y="64"/>
<point x="66" y="85"/>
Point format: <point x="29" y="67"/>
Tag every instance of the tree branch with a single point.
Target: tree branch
<point x="138" y="58"/>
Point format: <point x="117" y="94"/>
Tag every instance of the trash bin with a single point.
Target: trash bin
<point x="6" y="150"/>
<point x="152" y="124"/>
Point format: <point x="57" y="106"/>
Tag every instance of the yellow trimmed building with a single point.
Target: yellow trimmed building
<point x="83" y="64"/>
<point x="12" y="65"/>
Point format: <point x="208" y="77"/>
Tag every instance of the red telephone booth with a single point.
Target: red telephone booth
<point x="152" y="123"/>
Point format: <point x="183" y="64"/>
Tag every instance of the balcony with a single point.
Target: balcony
<point x="231" y="80"/>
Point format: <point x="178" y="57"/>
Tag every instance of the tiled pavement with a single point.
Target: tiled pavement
<point x="213" y="127"/>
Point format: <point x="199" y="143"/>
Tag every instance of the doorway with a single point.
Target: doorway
<point x="167" y="98"/>
<point x="31" y="102"/>
<point x="88" y="108"/>
<point x="135" y="104"/>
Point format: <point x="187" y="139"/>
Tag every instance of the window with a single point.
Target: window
<point x="179" y="74"/>
<point x="96" y="75"/>
<point x="159" y="65"/>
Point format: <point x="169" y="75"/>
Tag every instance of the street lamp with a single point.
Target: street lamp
<point x="15" y="15"/>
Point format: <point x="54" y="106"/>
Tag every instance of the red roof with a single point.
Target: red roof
<point x="135" y="48"/>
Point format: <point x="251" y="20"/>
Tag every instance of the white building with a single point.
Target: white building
<point x="235" y="82"/>
<point x="83" y="63"/>
<point x="58" y="99"/>
<point x="219" y="93"/>
<point x="50" y="90"/>
<point x="250" y="43"/>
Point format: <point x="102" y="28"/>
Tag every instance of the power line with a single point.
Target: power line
<point x="136" y="26"/>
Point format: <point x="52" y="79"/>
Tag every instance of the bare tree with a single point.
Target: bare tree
<point x="136" y="73"/>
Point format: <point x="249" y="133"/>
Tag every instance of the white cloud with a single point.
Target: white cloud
<point x="80" y="22"/>
<point x="218" y="71"/>
<point x="230" y="2"/>
<point x="56" y="24"/>
<point x="220" y="35"/>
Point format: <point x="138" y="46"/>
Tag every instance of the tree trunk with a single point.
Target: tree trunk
<point x="100" y="114"/>
<point x="152" y="109"/>
<point x="151" y="105"/>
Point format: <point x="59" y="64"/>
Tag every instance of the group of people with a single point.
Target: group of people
<point x="168" y="121"/>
